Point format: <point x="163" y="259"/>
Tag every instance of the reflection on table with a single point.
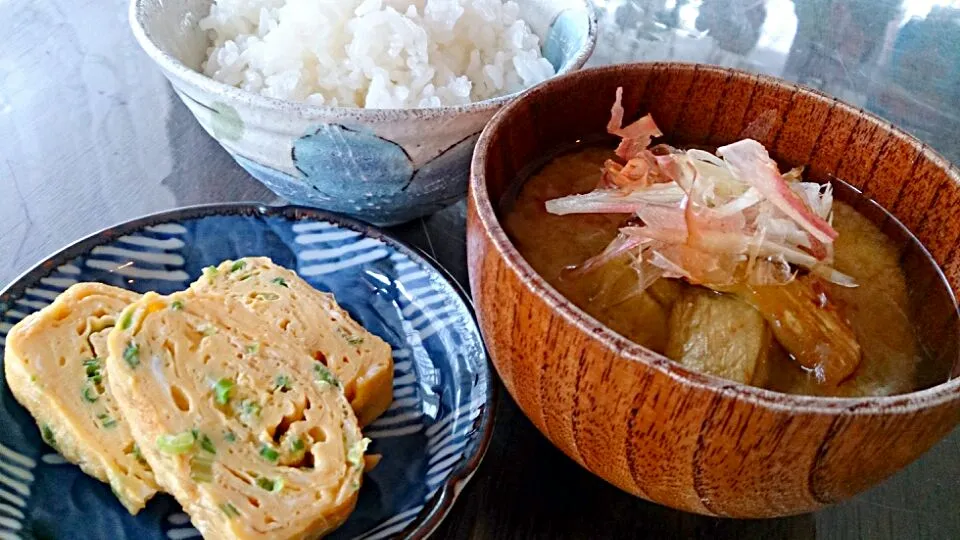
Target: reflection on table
<point x="898" y="59"/>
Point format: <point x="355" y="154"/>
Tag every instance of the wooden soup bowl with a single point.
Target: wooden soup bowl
<point x="635" y="418"/>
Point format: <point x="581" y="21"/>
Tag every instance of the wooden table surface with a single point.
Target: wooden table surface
<point x="91" y="135"/>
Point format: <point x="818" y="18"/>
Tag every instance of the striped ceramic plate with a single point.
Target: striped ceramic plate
<point x="432" y="437"/>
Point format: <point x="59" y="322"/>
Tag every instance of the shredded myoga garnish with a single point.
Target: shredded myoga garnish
<point x="730" y="222"/>
<point x="709" y="219"/>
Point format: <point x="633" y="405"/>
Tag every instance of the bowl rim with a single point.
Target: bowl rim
<point x="175" y="69"/>
<point x="435" y="508"/>
<point x="478" y="197"/>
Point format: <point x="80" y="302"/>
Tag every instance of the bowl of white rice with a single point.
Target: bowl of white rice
<point x="369" y="108"/>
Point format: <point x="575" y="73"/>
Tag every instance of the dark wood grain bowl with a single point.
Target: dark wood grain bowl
<point x="643" y="422"/>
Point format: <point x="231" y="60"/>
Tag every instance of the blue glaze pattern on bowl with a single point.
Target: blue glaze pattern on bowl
<point x="431" y="438"/>
<point x="350" y="164"/>
<point x="393" y="195"/>
<point x="348" y="160"/>
<point x="568" y="33"/>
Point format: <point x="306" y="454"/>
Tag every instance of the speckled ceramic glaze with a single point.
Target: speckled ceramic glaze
<point x="431" y="438"/>
<point x="383" y="166"/>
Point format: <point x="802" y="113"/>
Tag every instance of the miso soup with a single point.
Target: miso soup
<point x="731" y="267"/>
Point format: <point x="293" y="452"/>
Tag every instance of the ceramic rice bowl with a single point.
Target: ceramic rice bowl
<point x="382" y="166"/>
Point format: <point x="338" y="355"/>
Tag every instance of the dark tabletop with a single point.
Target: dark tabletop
<point x="91" y="135"/>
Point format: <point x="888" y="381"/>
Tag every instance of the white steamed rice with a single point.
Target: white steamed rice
<point x="374" y="53"/>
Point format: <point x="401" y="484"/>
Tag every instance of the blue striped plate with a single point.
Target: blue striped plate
<point x="432" y="438"/>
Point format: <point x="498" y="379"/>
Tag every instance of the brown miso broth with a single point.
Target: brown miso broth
<point x="903" y="312"/>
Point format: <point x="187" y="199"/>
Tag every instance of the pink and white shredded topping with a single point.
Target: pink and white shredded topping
<point x="710" y="219"/>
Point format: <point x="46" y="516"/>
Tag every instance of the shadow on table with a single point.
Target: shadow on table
<point x="203" y="172"/>
<point x="528" y="489"/>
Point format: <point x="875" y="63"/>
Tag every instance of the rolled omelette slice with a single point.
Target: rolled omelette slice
<point x="54" y="364"/>
<point x="246" y="430"/>
<point x="361" y="361"/>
